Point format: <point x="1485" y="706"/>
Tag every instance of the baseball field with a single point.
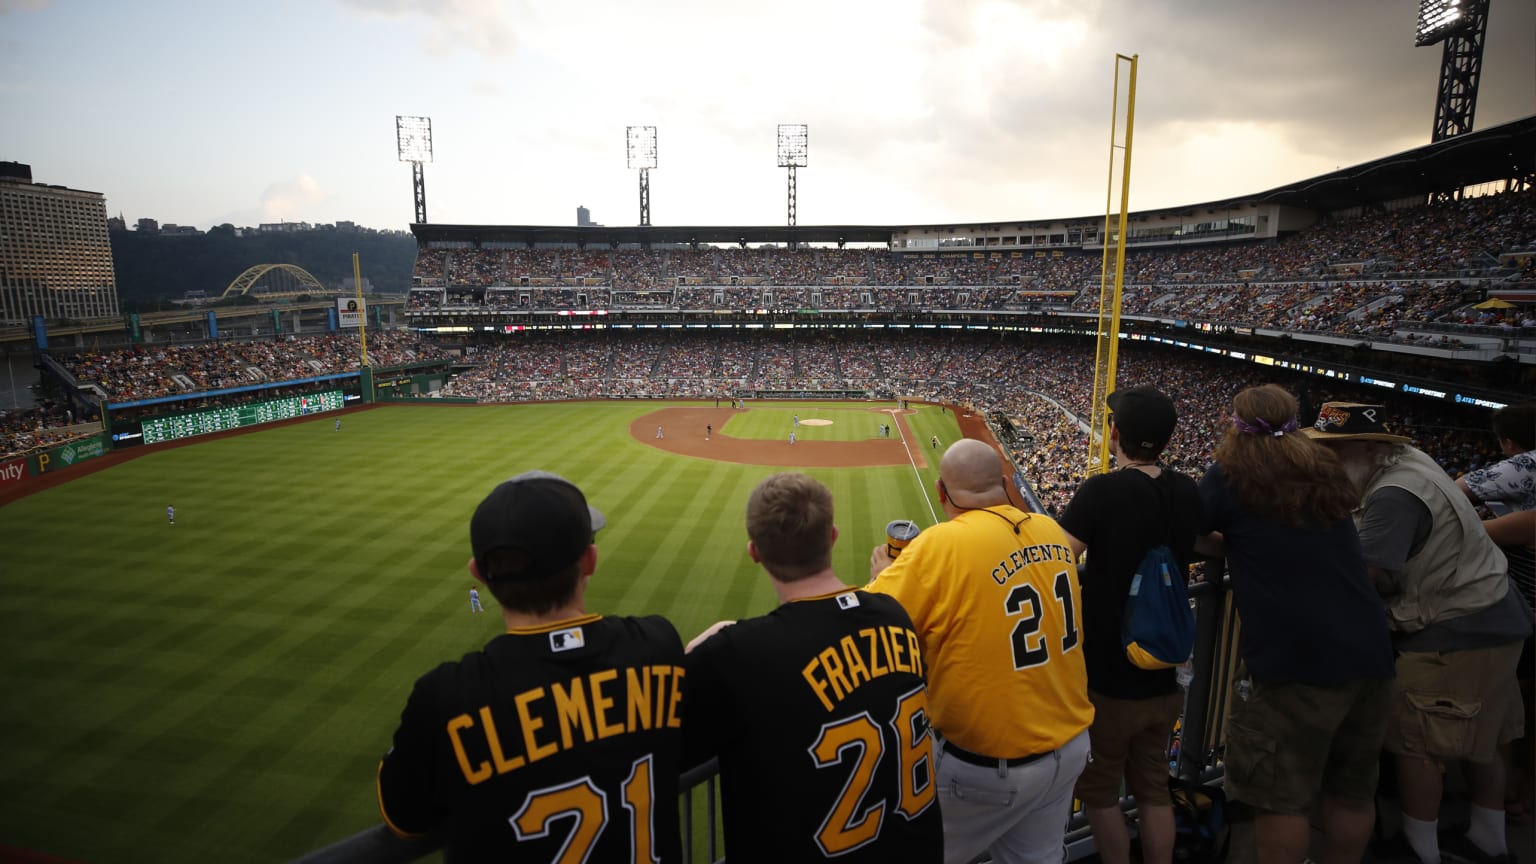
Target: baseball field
<point x="222" y="689"/>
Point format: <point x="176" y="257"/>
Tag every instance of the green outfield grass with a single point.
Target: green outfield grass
<point x="221" y="690"/>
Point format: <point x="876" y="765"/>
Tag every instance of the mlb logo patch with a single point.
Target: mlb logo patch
<point x="566" y="640"/>
<point x="847" y="601"/>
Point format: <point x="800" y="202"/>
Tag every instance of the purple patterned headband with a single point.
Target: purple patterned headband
<point x="1263" y="427"/>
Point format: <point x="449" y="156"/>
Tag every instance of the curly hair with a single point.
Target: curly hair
<point x="1282" y="474"/>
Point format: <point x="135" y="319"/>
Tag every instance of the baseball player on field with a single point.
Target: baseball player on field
<point x="817" y="710"/>
<point x="993" y="594"/>
<point x="558" y="740"/>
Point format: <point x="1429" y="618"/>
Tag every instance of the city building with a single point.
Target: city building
<point x="55" y="258"/>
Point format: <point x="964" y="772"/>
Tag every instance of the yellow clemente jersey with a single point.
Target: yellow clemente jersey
<point x="994" y="597"/>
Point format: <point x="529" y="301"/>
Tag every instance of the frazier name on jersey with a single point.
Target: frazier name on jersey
<point x="864" y="656"/>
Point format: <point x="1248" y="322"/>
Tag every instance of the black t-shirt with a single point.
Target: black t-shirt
<point x="1309" y="611"/>
<point x="565" y="734"/>
<point x="818" y="713"/>
<point x="1119" y="516"/>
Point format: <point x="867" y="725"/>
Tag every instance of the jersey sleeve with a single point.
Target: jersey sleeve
<point x="405" y="773"/>
<point x="705" y="715"/>
<point x="901" y="582"/>
<point x="916" y="580"/>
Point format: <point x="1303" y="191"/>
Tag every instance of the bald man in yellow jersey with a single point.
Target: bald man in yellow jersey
<point x="994" y="597"/>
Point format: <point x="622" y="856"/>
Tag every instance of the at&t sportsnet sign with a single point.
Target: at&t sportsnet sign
<point x="349" y="312"/>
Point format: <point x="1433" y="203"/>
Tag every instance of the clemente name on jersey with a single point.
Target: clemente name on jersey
<point x="553" y="719"/>
<point x="1019" y="559"/>
<point x="869" y="654"/>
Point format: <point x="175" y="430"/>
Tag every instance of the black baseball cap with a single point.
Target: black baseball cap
<point x="541" y="515"/>
<point x="1144" y="415"/>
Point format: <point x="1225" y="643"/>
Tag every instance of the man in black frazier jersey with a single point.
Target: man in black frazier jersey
<point x="817" y="710"/>
<point x="560" y="739"/>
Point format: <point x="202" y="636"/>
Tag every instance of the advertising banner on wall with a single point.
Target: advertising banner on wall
<point x="127" y="433"/>
<point x="72" y="453"/>
<point x="350" y="311"/>
<point x="13" y="471"/>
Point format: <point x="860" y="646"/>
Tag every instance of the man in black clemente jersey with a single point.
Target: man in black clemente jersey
<point x="560" y="738"/>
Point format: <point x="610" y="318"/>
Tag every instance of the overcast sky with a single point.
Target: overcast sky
<point x="920" y="111"/>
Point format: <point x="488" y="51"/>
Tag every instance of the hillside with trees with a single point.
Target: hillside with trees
<point x="153" y="268"/>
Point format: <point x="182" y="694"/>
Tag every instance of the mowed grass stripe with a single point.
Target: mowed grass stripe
<point x="222" y="689"/>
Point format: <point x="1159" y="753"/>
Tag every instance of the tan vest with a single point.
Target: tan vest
<point x="1459" y="570"/>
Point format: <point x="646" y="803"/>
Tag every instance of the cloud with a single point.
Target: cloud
<point x="289" y="199"/>
<point x="22" y="5"/>
<point x="480" y="25"/>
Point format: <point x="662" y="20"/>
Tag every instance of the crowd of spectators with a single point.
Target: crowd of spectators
<point x="32" y="430"/>
<point x="1043" y="385"/>
<point x="154" y="370"/>
<point x="495" y="266"/>
<point x="1371" y="274"/>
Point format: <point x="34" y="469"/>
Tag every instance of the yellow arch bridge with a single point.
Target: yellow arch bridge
<point x="275" y="280"/>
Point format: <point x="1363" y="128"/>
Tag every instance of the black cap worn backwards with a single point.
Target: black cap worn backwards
<point x="540" y="516"/>
<point x="1145" y="416"/>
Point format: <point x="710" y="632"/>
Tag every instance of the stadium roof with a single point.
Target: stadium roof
<point x="1499" y="153"/>
<point x="1502" y="152"/>
<point x="605" y="235"/>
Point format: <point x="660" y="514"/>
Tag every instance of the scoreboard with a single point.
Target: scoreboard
<point x="236" y="416"/>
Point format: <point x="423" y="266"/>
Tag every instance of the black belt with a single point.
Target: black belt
<point x="965" y="755"/>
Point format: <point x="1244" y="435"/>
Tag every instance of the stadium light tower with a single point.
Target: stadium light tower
<point x="1461" y="25"/>
<point x="794" y="152"/>
<point x="641" y="147"/>
<point x="414" y="137"/>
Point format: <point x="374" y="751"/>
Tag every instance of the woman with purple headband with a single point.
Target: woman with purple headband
<point x="1316" y="653"/>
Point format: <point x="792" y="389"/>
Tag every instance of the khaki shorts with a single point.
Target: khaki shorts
<point x="1453" y="705"/>
<point x="1287" y="743"/>
<point x="1129" y="738"/>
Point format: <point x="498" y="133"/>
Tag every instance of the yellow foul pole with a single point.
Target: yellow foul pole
<point x="1110" y="288"/>
<point x="362" y="319"/>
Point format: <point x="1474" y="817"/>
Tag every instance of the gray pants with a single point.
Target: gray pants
<point x="1017" y="814"/>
